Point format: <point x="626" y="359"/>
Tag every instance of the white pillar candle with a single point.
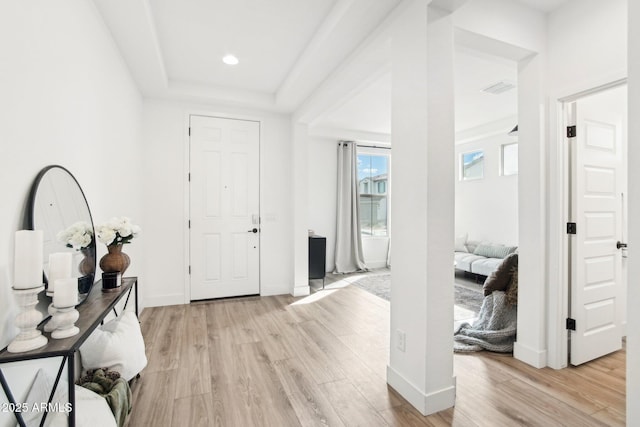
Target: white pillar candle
<point x="28" y="259"/>
<point x="66" y="293"/>
<point x="59" y="268"/>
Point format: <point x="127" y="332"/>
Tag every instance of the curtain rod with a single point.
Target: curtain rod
<point x="365" y="146"/>
<point x="373" y="146"/>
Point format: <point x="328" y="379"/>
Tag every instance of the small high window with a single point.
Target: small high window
<point x="472" y="165"/>
<point x="509" y="159"/>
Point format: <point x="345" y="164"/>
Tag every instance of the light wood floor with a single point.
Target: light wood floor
<point x="321" y="360"/>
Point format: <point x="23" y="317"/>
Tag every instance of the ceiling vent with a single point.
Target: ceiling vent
<point x="500" y="87"/>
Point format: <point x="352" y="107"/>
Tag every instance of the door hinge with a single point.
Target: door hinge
<point x="189" y="269"/>
<point x="189" y="223"/>
<point x="189" y="131"/>
<point x="571" y="131"/>
<point x="571" y="324"/>
<point x="571" y="228"/>
<point x="189" y="177"/>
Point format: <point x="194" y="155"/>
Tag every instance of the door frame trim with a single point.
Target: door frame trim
<point x="187" y="200"/>
<point x="557" y="258"/>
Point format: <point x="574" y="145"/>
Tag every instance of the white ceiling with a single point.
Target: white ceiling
<point x="267" y="36"/>
<point x="288" y="49"/>
<point x="544" y="5"/>
<point x="367" y="111"/>
<point x="370" y="109"/>
<point x="475" y="71"/>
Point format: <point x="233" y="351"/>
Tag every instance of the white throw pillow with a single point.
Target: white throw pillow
<point x="91" y="409"/>
<point x="460" y="243"/>
<point x="117" y="345"/>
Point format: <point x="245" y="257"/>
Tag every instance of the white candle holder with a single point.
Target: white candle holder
<point x="65" y="318"/>
<point x="51" y="325"/>
<point x="27" y="321"/>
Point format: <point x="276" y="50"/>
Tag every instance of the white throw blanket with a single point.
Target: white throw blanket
<point x="495" y="329"/>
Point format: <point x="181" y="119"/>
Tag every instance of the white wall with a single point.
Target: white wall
<point x="323" y="178"/>
<point x="422" y="116"/>
<point x="165" y="197"/>
<point x="487" y="209"/>
<point x="503" y="20"/>
<point x="633" y="296"/>
<point x="514" y="31"/>
<point x="579" y="58"/>
<point x="299" y="207"/>
<point x="68" y="99"/>
<point x="375" y="250"/>
<point x="578" y="47"/>
<point x="587" y="44"/>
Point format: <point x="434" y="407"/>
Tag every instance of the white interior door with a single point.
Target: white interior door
<point x="596" y="208"/>
<point x="224" y="207"/>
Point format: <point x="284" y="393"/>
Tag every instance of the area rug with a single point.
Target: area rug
<point x="467" y="298"/>
<point x="380" y="285"/>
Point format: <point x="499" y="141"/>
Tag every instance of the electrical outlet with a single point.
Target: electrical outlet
<point x="401" y="340"/>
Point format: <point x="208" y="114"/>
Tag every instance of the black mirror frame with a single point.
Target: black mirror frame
<point x="30" y="215"/>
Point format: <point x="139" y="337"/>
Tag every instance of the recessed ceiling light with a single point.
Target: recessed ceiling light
<point x="230" y="60"/>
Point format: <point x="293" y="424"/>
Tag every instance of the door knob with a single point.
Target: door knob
<point x="253" y="230"/>
<point x="621" y="245"/>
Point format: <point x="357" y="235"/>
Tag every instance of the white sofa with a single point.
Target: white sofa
<point x="481" y="258"/>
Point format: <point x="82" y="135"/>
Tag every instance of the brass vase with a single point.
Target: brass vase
<point x="115" y="261"/>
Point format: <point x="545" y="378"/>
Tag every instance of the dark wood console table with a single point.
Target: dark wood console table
<point x="92" y="313"/>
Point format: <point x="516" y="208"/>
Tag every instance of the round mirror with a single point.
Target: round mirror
<point x="57" y="206"/>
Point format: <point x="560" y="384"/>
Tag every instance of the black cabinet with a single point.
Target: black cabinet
<point x="317" y="257"/>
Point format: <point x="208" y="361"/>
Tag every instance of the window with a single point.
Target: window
<point x="509" y="158"/>
<point x="373" y="177"/>
<point x="472" y="165"/>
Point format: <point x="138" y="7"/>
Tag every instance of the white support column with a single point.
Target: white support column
<point x="422" y="118"/>
<point x="633" y="290"/>
<point x="299" y="177"/>
<point x="531" y="346"/>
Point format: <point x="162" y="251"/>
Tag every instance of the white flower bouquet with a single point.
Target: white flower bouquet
<point x="77" y="236"/>
<point x="117" y="231"/>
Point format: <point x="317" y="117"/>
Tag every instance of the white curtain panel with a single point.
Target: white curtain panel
<point x="349" y="256"/>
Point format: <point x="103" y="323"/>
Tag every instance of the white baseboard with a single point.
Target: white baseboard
<point x="267" y="291"/>
<point x="377" y="264"/>
<point x="301" y="291"/>
<point x="426" y="404"/>
<point x="162" y="300"/>
<point x="535" y="358"/>
<point x="274" y="292"/>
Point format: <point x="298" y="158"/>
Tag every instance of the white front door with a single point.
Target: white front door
<point x="224" y="207"/>
<point x="596" y="208"/>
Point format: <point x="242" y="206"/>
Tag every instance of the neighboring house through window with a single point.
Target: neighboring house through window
<point x="373" y="184"/>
